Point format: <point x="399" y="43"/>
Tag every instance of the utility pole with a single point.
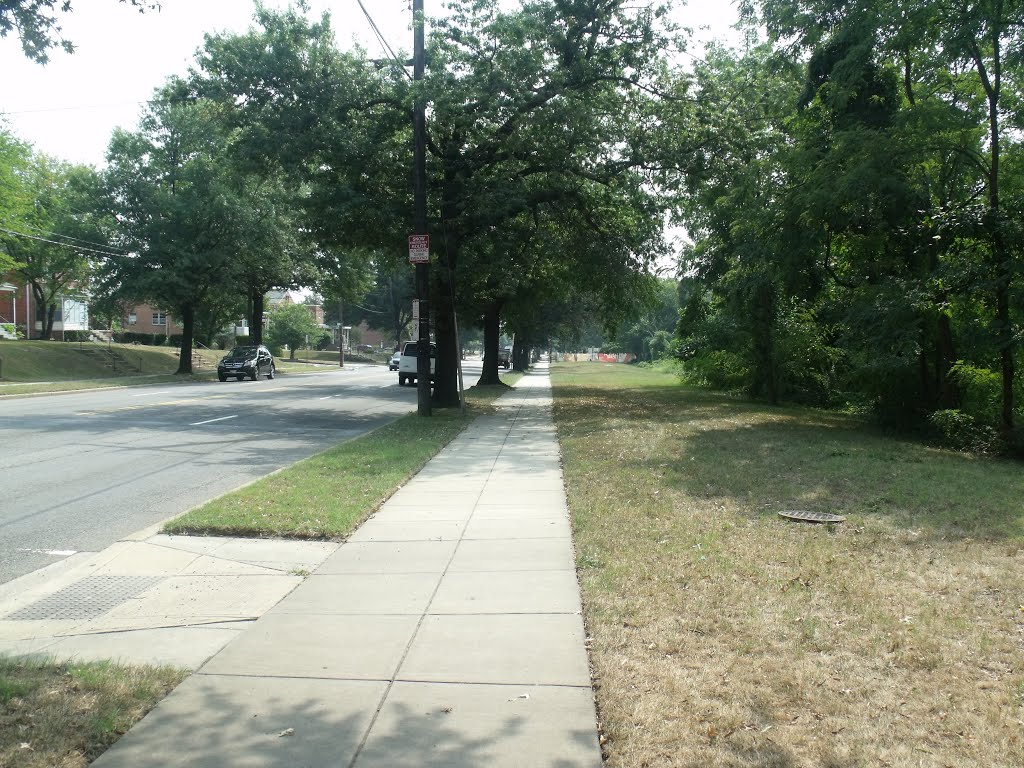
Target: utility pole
<point x="419" y="127"/>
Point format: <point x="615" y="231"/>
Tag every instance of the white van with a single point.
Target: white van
<point x="407" y="365"/>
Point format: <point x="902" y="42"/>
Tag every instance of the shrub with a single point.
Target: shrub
<point x="981" y="391"/>
<point x="962" y="432"/>
<point x="808" y="364"/>
<point x="717" y="369"/>
<point x="324" y="340"/>
<point x="131" y="337"/>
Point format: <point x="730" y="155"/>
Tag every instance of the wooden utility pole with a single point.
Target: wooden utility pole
<point x="419" y="123"/>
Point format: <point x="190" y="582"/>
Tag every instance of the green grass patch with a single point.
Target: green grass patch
<point x="328" y="495"/>
<point x="724" y="635"/>
<point x="68" y="714"/>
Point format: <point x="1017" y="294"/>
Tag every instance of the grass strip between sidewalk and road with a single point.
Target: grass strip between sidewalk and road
<point x="722" y="635"/>
<point x="328" y="495"/>
<point x="67" y="714"/>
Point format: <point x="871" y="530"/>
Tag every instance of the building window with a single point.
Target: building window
<point x="132" y="318"/>
<point x="159" y="318"/>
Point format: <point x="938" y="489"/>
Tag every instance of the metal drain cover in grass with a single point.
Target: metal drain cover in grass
<point x="86" y="599"/>
<point x="811" y="517"/>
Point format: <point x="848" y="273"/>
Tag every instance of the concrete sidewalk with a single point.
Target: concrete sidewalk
<point x="445" y="632"/>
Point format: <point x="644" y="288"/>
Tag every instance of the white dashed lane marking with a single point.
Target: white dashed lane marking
<point x="210" y="421"/>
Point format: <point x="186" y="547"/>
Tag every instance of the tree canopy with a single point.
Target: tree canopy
<point x="37" y="24"/>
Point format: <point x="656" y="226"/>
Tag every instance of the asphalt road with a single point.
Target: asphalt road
<point x="79" y="471"/>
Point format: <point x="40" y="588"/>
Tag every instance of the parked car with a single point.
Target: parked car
<point x="393" y="362"/>
<point x="251" y="362"/>
<point x="407" y="370"/>
<point x="365" y="348"/>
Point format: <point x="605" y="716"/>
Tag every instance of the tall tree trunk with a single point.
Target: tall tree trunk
<point x="763" y="312"/>
<point x="948" y="392"/>
<point x="256" y="316"/>
<point x="991" y="81"/>
<point x="51" y="310"/>
<point x="492" y="337"/>
<point x="446" y="379"/>
<point x="43" y="310"/>
<point x="188" y="322"/>
<point x="520" y="356"/>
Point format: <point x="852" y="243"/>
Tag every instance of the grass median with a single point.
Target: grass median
<point x="723" y="635"/>
<point x="328" y="495"/>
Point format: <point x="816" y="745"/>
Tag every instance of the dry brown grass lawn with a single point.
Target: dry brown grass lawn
<point x="725" y="636"/>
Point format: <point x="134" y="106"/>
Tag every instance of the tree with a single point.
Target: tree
<point x="543" y="113"/>
<point x="744" y="262"/>
<point x="57" y="239"/>
<point x="15" y="196"/>
<point x="182" y="218"/>
<point x="646" y="337"/>
<point x="294" y="326"/>
<point x="38" y="25"/>
<point x="960" y="73"/>
<point x="273" y="251"/>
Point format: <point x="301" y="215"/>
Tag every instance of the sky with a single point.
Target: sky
<point x="69" y="107"/>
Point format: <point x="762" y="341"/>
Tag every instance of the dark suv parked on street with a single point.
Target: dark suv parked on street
<point x="251" y="362"/>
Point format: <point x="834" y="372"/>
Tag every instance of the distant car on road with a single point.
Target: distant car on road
<point x="505" y="357"/>
<point x="407" y="369"/>
<point x="364" y="348"/>
<point x="393" y="362"/>
<point x="251" y="362"/>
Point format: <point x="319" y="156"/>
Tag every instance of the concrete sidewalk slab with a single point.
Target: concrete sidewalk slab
<point x="476" y="726"/>
<point x="513" y="555"/>
<point x="189" y="647"/>
<point x="507" y="592"/>
<point x="252" y="722"/>
<point x="390" y="557"/>
<point x="381" y="529"/>
<point x="157" y="599"/>
<point x="520" y="649"/>
<point x="362" y="594"/>
<point x="552" y="527"/>
<point x="329" y="645"/>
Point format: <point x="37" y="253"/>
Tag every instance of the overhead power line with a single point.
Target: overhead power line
<point x="66" y="245"/>
<point x="380" y="37"/>
<point x="90" y="243"/>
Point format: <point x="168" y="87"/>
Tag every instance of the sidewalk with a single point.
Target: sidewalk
<point x="445" y="632"/>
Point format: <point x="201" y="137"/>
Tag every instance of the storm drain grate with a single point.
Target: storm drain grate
<point x="91" y="597"/>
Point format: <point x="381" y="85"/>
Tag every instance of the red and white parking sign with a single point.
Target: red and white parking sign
<point x="419" y="249"/>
